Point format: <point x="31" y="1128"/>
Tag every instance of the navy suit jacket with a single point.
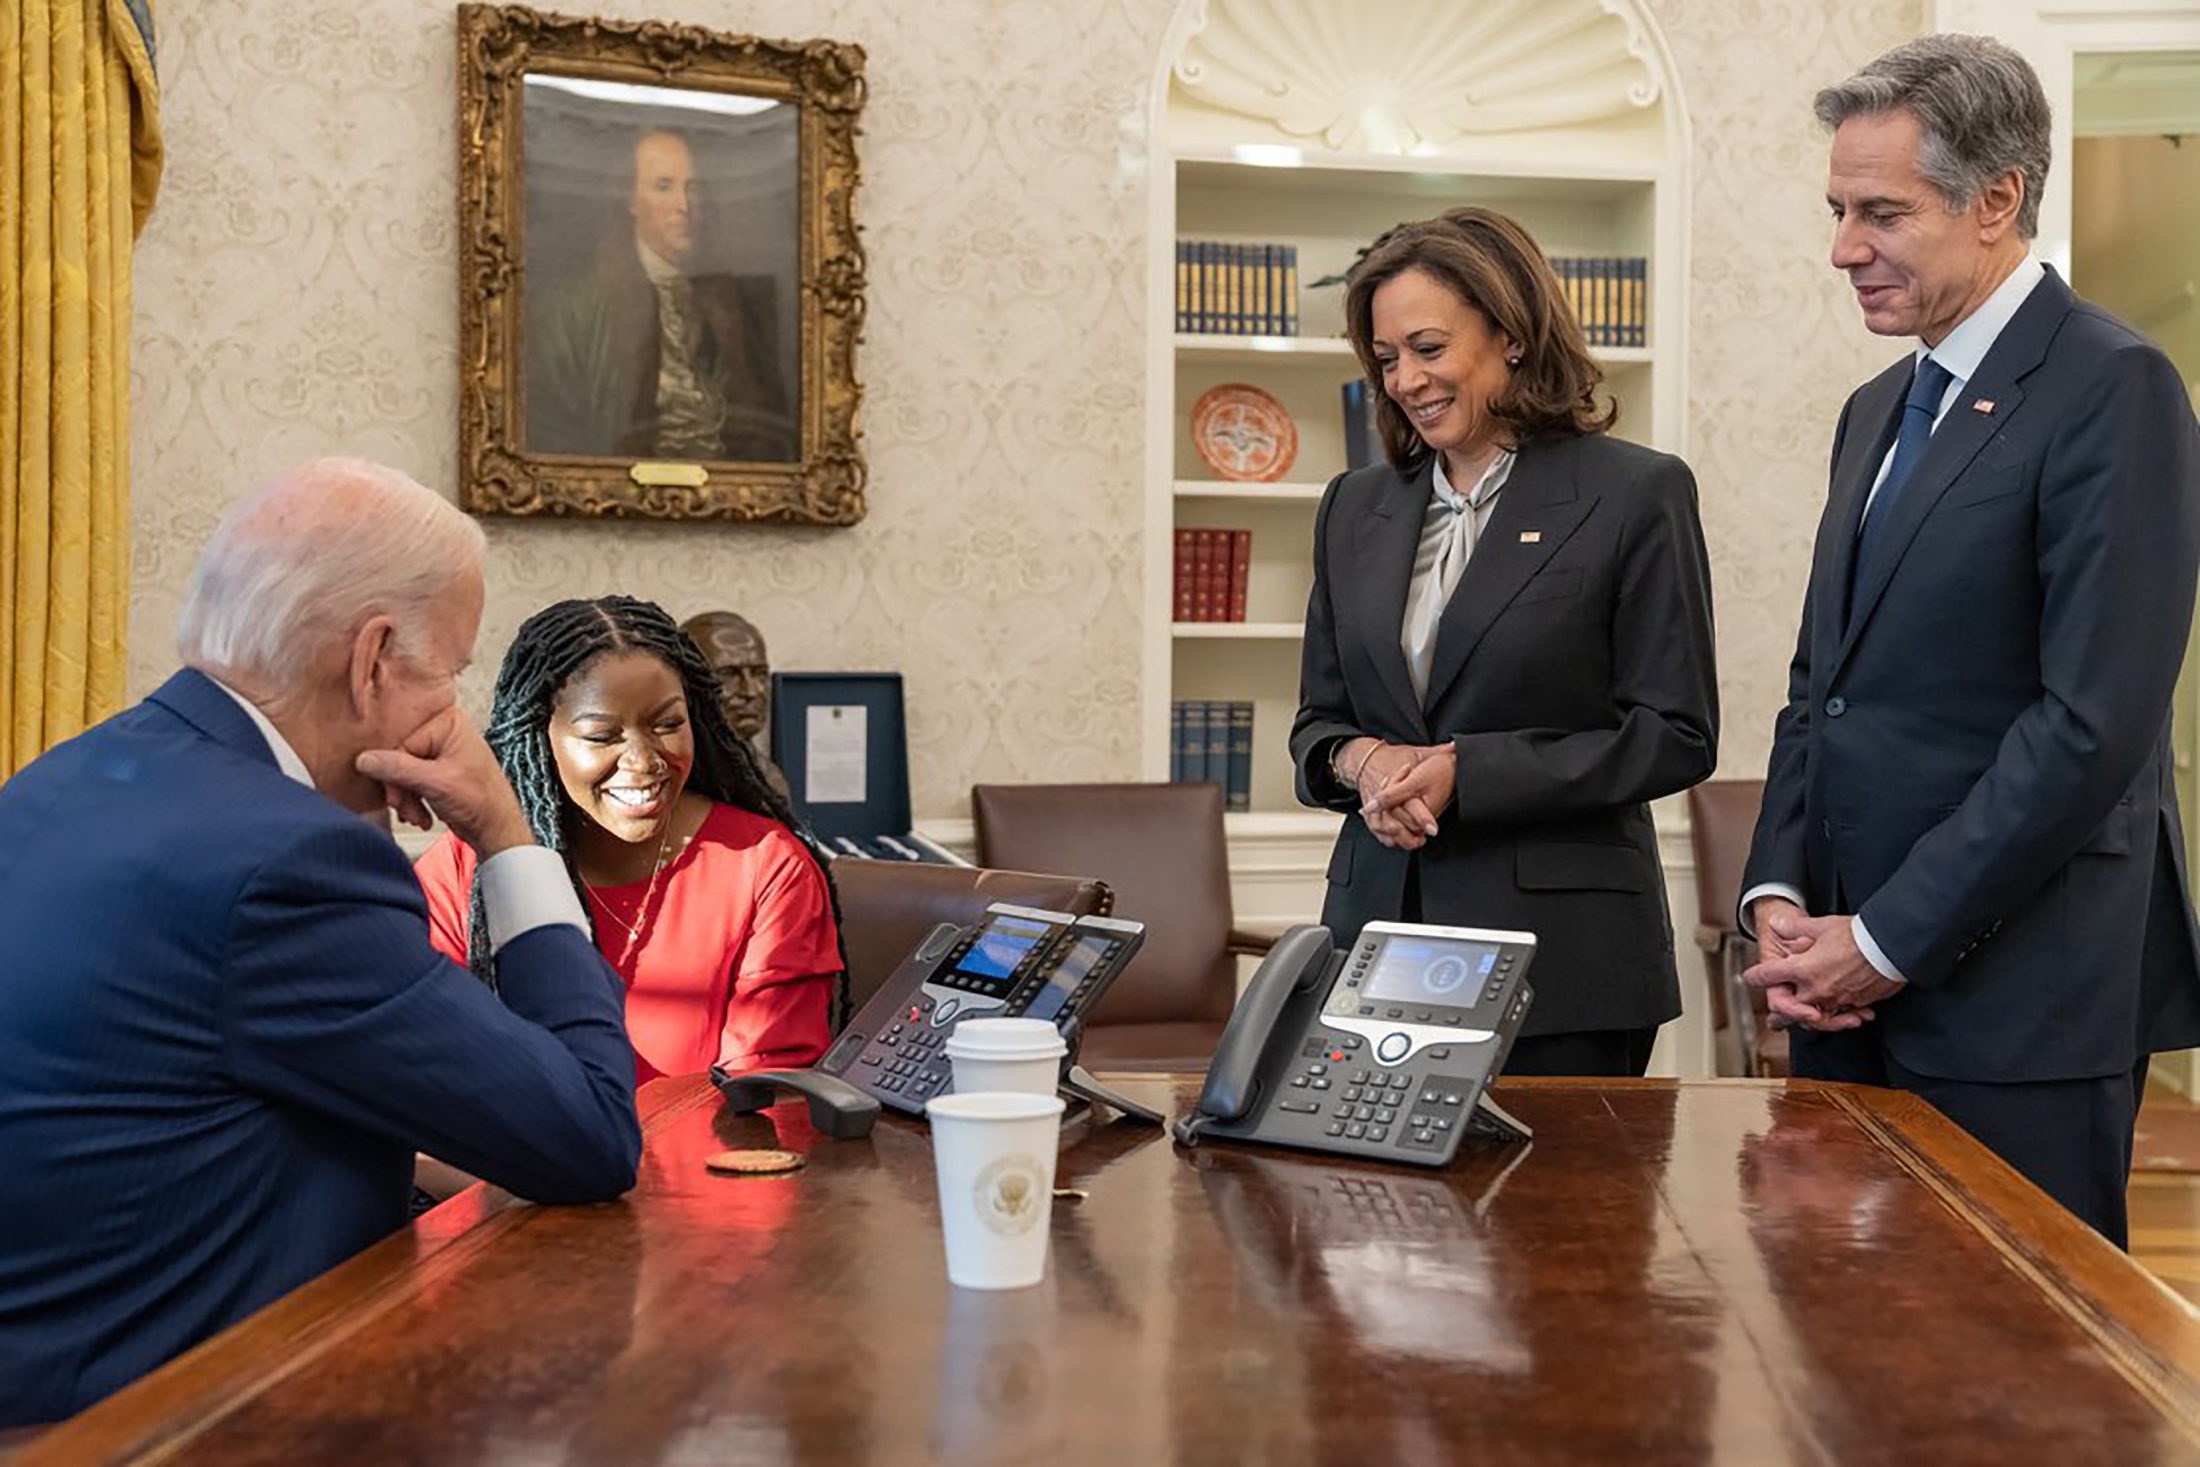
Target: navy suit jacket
<point x="1573" y="675"/>
<point x="1975" y="753"/>
<point x="223" y="1033"/>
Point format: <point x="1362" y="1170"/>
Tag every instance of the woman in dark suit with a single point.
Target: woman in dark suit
<point x="1508" y="644"/>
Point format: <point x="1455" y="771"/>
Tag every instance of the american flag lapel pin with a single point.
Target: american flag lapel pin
<point x="1531" y="537"/>
<point x="1984" y="405"/>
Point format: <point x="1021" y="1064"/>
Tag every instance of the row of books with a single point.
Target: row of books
<point x="1608" y="297"/>
<point x="1237" y="289"/>
<point x="1211" y="742"/>
<point x="1212" y="567"/>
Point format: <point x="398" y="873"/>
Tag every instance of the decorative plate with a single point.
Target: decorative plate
<point x="1243" y="433"/>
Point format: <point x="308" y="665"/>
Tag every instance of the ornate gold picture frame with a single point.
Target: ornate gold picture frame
<point x="661" y="289"/>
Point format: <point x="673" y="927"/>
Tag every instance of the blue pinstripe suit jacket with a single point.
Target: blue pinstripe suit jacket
<point x="223" y="1034"/>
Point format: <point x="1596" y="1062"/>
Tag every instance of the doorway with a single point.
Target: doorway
<point x="2135" y="249"/>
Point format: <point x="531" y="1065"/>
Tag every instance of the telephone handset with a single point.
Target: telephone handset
<point x="1386" y="1051"/>
<point x="1015" y="961"/>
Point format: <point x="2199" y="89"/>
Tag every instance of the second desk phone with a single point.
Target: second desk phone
<point x="1385" y="1051"/>
<point x="1016" y="961"/>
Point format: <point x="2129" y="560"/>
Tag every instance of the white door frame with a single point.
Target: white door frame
<point x="2050" y="34"/>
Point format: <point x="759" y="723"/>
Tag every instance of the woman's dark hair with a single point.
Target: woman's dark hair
<point x="1493" y="265"/>
<point x="551" y="647"/>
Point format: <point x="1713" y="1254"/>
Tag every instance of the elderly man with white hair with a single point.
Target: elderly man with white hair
<point x="223" y="1030"/>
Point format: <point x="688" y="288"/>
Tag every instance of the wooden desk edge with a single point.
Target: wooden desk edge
<point x="158" y="1415"/>
<point x="2147" y="1332"/>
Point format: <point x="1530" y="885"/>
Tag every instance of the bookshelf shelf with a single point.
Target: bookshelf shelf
<point x="1331" y="351"/>
<point x="1281" y="491"/>
<point x="1595" y="173"/>
<point x="1267" y="351"/>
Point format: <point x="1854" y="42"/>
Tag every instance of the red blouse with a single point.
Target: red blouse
<point x="736" y="955"/>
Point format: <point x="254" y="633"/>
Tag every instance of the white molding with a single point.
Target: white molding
<point x="1425" y="77"/>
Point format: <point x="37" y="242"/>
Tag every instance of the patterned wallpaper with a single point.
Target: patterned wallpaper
<point x="295" y="297"/>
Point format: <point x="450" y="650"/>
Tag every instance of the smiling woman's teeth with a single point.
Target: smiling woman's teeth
<point x="1431" y="410"/>
<point x="632" y="797"/>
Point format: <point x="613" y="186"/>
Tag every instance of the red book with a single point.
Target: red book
<point x="1241" y="569"/>
<point x="1215" y="580"/>
<point x="1181" y="589"/>
<point x="1202" y="553"/>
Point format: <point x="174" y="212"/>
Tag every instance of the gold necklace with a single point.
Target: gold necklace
<point x="633" y="929"/>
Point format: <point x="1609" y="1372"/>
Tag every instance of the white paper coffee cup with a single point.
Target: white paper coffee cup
<point x="995" y="1158"/>
<point x="1022" y="1056"/>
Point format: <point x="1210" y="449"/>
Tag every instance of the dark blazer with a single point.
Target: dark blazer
<point x="222" y="1035"/>
<point x="1574" y="676"/>
<point x="595" y="344"/>
<point x="1975" y="754"/>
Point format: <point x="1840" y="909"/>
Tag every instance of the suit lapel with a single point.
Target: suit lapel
<point x="1539" y="507"/>
<point x="1962" y="433"/>
<point x="1878" y="407"/>
<point x="1382" y="564"/>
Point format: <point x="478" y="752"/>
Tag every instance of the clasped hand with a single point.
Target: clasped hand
<point x="1813" y="973"/>
<point x="444" y="766"/>
<point x="1401" y="788"/>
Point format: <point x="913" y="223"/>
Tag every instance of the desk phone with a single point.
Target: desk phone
<point x="1386" y="1051"/>
<point x="1016" y="961"/>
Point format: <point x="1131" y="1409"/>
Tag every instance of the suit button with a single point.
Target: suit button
<point x="1836" y="706"/>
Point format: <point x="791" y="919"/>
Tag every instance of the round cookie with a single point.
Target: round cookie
<point x="752" y="1163"/>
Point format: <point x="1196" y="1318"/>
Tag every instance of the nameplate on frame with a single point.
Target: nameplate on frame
<point x="677" y="476"/>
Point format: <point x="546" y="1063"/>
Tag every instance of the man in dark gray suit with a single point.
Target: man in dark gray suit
<point x="1969" y="877"/>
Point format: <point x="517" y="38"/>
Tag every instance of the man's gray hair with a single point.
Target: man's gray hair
<point x="1979" y="105"/>
<point x="299" y="563"/>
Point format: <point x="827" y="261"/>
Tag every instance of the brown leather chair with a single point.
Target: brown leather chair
<point x="1722" y="817"/>
<point x="1161" y="848"/>
<point x="888" y="907"/>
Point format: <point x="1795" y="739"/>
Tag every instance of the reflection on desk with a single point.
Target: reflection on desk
<point x="1670" y="1273"/>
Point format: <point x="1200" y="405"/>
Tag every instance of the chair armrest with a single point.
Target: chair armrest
<point x="1247" y="943"/>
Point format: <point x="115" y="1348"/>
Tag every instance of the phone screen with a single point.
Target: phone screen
<point x="1076" y="965"/>
<point x="1432" y="971"/>
<point x="1001" y="949"/>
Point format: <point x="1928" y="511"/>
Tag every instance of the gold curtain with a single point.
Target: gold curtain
<point x="80" y="157"/>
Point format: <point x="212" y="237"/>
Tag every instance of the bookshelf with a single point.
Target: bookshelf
<point x="1591" y="159"/>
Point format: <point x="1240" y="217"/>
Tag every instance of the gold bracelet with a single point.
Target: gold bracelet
<point x="1336" y="764"/>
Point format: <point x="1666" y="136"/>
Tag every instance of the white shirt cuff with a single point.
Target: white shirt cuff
<point x="1769" y="888"/>
<point x="1872" y="954"/>
<point x="527" y="887"/>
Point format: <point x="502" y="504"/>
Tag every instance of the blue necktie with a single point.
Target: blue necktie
<point x="1927" y="386"/>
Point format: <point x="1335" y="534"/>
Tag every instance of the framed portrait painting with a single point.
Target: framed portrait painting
<point x="662" y="288"/>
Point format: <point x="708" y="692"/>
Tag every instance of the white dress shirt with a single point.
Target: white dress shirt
<point x="1960" y="353"/>
<point x="522" y="888"/>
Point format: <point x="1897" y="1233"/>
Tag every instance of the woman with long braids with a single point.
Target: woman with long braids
<point x="704" y="891"/>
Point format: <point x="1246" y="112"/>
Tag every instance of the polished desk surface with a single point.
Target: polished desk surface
<point x="1735" y="1272"/>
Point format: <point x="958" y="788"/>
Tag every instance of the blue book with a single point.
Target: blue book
<point x="1237" y="784"/>
<point x="1362" y="441"/>
<point x="1176" y="741"/>
<point x="1210" y="743"/>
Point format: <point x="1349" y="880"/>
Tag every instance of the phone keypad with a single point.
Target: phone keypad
<point x="907" y="1059"/>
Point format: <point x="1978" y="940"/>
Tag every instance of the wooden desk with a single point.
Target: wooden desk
<point x="1733" y="1272"/>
